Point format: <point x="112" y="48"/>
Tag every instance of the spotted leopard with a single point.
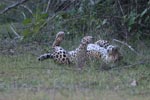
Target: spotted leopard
<point x="101" y="49"/>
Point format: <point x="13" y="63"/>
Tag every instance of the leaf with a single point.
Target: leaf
<point x="131" y="21"/>
<point x="36" y="29"/>
<point x="149" y="2"/>
<point x="98" y="26"/>
<point x="129" y="28"/>
<point x="26" y="32"/>
<point x="44" y="16"/>
<point x="27" y="21"/>
<point x="144" y="12"/>
<point x="146" y="19"/>
<point x="104" y="21"/>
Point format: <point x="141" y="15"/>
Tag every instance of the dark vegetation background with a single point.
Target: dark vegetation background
<point x="40" y="20"/>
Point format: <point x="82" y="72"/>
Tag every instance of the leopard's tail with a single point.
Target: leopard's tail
<point x="45" y="56"/>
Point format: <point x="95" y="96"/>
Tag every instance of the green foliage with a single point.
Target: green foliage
<point x="27" y="21"/>
<point x="34" y="24"/>
<point x="107" y="18"/>
<point x="134" y="19"/>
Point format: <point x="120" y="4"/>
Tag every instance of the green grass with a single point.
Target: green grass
<point x="22" y="77"/>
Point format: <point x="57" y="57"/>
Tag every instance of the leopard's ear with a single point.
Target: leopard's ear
<point x="114" y="49"/>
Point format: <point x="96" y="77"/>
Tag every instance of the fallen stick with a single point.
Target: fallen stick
<point x="130" y="47"/>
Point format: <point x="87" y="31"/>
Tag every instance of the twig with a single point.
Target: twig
<point x="30" y="11"/>
<point x="126" y="45"/>
<point x="120" y="7"/>
<point x="48" y="6"/>
<point x="17" y="35"/>
<point x="48" y="19"/>
<point x="24" y="16"/>
<point x="13" y="6"/>
<point x="92" y="2"/>
<point x="64" y="5"/>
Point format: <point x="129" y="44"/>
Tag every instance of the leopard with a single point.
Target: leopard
<point x="101" y="49"/>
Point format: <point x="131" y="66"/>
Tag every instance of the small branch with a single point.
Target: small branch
<point x="49" y="18"/>
<point x="30" y="11"/>
<point x="13" y="6"/>
<point x="17" y="35"/>
<point x="121" y="8"/>
<point x="24" y="16"/>
<point x="126" y="45"/>
<point x="48" y="6"/>
<point x="11" y="27"/>
<point x="92" y="2"/>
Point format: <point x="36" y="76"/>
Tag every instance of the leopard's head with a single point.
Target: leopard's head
<point x="87" y="40"/>
<point x="114" y="53"/>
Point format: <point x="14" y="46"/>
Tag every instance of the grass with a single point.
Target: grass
<point x="22" y="77"/>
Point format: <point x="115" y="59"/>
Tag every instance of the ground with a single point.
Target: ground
<point x="23" y="77"/>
